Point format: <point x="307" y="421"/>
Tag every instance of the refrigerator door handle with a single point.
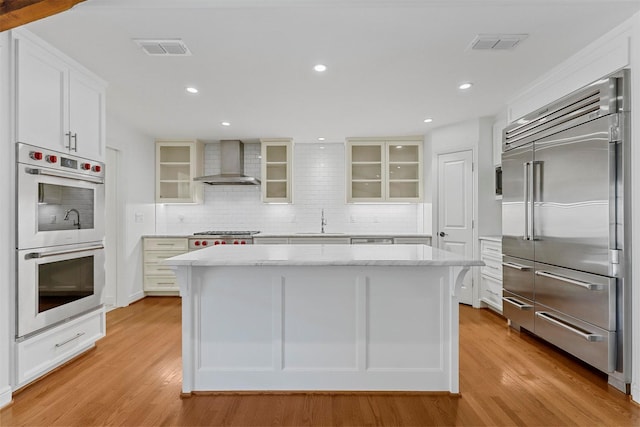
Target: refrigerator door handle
<point x="525" y="193"/>
<point x="516" y="266"/>
<point x="517" y="303"/>
<point x="586" y="335"/>
<point x="532" y="181"/>
<point x="588" y="286"/>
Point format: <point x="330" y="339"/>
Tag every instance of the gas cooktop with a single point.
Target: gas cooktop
<point x="225" y="233"/>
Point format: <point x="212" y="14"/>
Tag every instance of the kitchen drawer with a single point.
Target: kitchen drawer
<point x="586" y="296"/>
<point x="492" y="267"/>
<point x="517" y="277"/>
<point x="587" y="342"/>
<point x="165" y="243"/>
<point x="490" y="248"/>
<point x="159" y="256"/>
<point x="491" y="291"/>
<point x="169" y="283"/>
<point x="158" y="270"/>
<point x="41" y="353"/>
<point x="518" y="309"/>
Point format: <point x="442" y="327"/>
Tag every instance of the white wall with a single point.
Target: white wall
<point x="136" y="191"/>
<point x="318" y="183"/>
<point x="7" y="233"/>
<point x="475" y="135"/>
<point x="618" y="49"/>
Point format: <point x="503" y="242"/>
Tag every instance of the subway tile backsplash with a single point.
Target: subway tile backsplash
<point x="319" y="180"/>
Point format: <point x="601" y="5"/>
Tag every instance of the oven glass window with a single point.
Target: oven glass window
<point x="62" y="282"/>
<point x="62" y="207"/>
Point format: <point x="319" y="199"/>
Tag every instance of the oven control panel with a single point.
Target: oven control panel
<point x="38" y="157"/>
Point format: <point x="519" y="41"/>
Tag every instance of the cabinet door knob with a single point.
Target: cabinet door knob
<point x="442" y="234"/>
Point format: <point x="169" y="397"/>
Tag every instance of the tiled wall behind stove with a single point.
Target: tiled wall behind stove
<point x="318" y="183"/>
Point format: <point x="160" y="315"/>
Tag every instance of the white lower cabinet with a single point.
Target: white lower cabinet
<point x="37" y="355"/>
<point x="491" y="273"/>
<point x="270" y="240"/>
<point x="159" y="279"/>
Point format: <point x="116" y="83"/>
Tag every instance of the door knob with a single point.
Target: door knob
<point x="442" y="234"/>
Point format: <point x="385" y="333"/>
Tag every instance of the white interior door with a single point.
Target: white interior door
<point x="455" y="210"/>
<point x="111" y="230"/>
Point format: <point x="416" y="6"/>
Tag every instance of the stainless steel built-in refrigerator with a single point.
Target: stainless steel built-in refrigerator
<point x="565" y="226"/>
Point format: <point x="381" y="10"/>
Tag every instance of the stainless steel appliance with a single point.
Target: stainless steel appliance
<point x="60" y="198"/>
<point x="566" y="225"/>
<point x="371" y="241"/>
<point x="60" y="233"/>
<point x="205" y="239"/>
<point x="231" y="166"/>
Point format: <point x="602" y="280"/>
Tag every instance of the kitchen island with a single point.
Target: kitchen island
<point x="320" y="317"/>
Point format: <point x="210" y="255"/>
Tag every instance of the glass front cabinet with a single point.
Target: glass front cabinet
<point x="384" y="170"/>
<point x="277" y="155"/>
<point x="177" y="163"/>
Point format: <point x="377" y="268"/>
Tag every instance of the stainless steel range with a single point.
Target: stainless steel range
<point x="205" y="239"/>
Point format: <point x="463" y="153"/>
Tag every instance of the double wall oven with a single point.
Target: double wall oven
<point x="60" y="237"/>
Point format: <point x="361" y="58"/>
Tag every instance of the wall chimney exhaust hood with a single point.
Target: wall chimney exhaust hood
<point x="231" y="166"/>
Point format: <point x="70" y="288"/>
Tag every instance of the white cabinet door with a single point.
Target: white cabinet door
<point x="86" y="112"/>
<point x="40" y="97"/>
<point x="59" y="104"/>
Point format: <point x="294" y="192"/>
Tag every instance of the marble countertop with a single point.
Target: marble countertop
<point x="318" y="255"/>
<point x="305" y="234"/>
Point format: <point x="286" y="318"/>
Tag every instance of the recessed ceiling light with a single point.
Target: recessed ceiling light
<point x="428" y="120"/>
<point x="320" y="68"/>
<point x="191" y="89"/>
<point x="321" y="139"/>
<point x="398" y="146"/>
<point x="465" y="86"/>
<point x="225" y="124"/>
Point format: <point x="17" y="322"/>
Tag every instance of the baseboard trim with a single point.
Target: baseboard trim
<point x="5" y="397"/>
<point x="136" y="297"/>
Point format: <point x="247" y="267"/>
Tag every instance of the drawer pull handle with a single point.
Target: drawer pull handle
<point x="78" y="335"/>
<point x="516" y="266"/>
<point x="588" y="286"/>
<point x="586" y="335"/>
<point x="166" y="283"/>
<point x="519" y="304"/>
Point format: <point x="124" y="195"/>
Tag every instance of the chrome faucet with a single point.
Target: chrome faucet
<point x="323" y="222"/>
<point x="76" y="223"/>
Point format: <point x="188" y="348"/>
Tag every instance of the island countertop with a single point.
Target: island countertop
<point x="319" y="255"/>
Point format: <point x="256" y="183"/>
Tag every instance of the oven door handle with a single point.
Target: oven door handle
<point x="62" y="174"/>
<point x="32" y="255"/>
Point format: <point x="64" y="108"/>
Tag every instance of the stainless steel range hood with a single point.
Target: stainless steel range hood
<point x="231" y="166"/>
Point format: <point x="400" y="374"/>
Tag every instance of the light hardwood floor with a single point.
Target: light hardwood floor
<point x="133" y="378"/>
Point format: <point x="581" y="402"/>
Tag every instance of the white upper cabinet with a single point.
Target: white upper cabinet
<point x="277" y="164"/>
<point x="178" y="162"/>
<point x="384" y="171"/>
<point x="59" y="104"/>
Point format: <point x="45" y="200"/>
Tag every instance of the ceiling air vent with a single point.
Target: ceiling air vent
<point x="166" y="47"/>
<point x="497" y="41"/>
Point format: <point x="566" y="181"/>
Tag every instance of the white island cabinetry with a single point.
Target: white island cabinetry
<point x="320" y="317"/>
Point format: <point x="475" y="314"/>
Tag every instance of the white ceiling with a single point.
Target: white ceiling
<point x="391" y="63"/>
